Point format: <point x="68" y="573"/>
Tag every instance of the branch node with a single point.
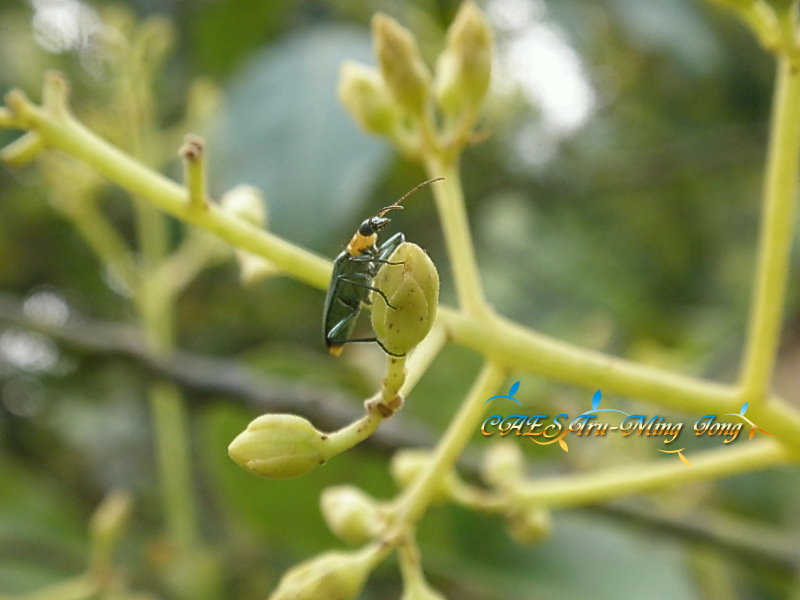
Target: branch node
<point x="194" y="167"/>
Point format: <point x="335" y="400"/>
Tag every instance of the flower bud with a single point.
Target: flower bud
<point x="331" y="575"/>
<point x="279" y="446"/>
<point x="364" y="95"/>
<point x="406" y="75"/>
<point x="530" y="524"/>
<point x="464" y="68"/>
<point x="152" y="41"/>
<point x="407" y="465"/>
<point x="245" y="202"/>
<point x="350" y="513"/>
<point x="413" y="291"/>
<point x="503" y="464"/>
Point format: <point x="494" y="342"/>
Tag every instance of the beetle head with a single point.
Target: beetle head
<point x="374" y="224"/>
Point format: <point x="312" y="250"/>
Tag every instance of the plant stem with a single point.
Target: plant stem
<point x="777" y="225"/>
<point x="422" y="357"/>
<point x="506" y="343"/>
<point x="71" y="137"/>
<point x="577" y="490"/>
<point x="461" y="429"/>
<point x="460" y="249"/>
<point x="172" y="445"/>
<point x="393" y="380"/>
<point x="106" y="243"/>
<point x="518" y="348"/>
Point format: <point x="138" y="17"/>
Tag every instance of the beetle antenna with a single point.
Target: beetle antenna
<point x="396" y="205"/>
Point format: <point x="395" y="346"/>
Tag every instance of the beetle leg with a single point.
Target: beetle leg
<point x="356" y="340"/>
<point x="368" y="258"/>
<point x="342" y="324"/>
<point x="368" y="287"/>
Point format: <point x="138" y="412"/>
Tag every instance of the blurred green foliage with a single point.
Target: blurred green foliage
<point x="633" y="234"/>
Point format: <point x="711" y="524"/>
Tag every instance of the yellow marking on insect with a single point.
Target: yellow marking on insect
<point x="336" y="350"/>
<point x="358" y="243"/>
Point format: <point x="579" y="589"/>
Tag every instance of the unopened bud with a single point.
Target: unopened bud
<point x="279" y="446"/>
<point x="464" y="68"/>
<point x="412" y="289"/>
<point x="350" y="513"/>
<point x="364" y="95"/>
<point x="152" y="40"/>
<point x="332" y="575"/>
<point x="406" y="75"/>
<point x="407" y="465"/>
<point x="245" y="202"/>
<point x="530" y="525"/>
<point x="503" y="464"/>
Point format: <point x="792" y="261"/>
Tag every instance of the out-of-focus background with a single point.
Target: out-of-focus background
<point x="614" y="204"/>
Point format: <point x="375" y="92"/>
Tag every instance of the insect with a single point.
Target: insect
<point x="353" y="272"/>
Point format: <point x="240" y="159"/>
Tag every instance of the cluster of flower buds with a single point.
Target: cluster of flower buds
<point x="408" y="465"/>
<point x="502" y="469"/>
<point x="397" y="98"/>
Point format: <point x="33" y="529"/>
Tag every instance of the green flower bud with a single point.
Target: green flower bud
<point x="407" y="465"/>
<point x="350" y="513"/>
<point x="406" y="75"/>
<point x="503" y="464"/>
<point x="279" y="447"/>
<point x="413" y="290"/>
<point x="152" y="41"/>
<point x="364" y="95"/>
<point x="245" y="202"/>
<point x="530" y="525"/>
<point x="331" y="575"/>
<point x="464" y="68"/>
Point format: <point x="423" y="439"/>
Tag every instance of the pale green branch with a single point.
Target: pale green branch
<point x="422" y="357"/>
<point x="460" y="248"/>
<point x="107" y="245"/>
<point x="23" y="150"/>
<point x="775" y="238"/>
<point x="71" y="137"/>
<point x="578" y="490"/>
<point x="515" y="347"/>
<point x="196" y="252"/>
<point x="177" y="489"/>
<point x="417" y="498"/>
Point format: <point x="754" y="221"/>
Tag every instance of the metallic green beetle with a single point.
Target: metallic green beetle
<point x="353" y="272"/>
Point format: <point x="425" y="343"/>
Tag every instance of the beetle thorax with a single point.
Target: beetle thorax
<point x="360" y="243"/>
